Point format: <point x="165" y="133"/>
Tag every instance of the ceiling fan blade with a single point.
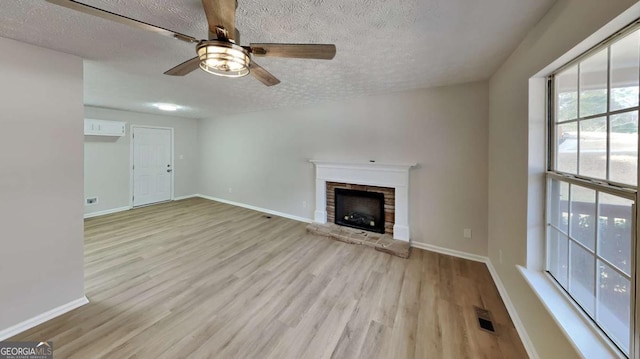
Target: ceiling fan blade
<point x="300" y="51"/>
<point x="87" y="9"/>
<point x="262" y="75"/>
<point x="221" y="16"/>
<point x="185" y="68"/>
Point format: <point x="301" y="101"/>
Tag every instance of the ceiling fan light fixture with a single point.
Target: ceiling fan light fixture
<point x="221" y="55"/>
<point x="223" y="58"/>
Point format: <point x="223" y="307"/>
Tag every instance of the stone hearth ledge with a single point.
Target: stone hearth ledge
<point x="380" y="242"/>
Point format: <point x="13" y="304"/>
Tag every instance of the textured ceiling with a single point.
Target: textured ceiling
<point x="382" y="46"/>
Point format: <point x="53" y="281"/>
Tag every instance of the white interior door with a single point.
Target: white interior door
<point x="152" y="165"/>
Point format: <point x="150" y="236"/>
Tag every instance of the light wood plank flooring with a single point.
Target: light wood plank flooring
<point x="201" y="279"/>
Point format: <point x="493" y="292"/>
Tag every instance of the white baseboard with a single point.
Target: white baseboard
<point x="41" y="318"/>
<point x="259" y="209"/>
<point x="450" y="252"/>
<point x="108" y="211"/>
<point x="522" y="332"/>
<point x="185" y="197"/>
<point x="122" y="209"/>
<point x="517" y="323"/>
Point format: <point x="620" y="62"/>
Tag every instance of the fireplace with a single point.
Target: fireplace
<point x="390" y="179"/>
<point x="359" y="209"/>
<point x="371" y="193"/>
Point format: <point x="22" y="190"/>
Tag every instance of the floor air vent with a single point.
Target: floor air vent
<point x="484" y="320"/>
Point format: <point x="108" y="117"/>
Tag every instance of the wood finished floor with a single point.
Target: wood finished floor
<point x="201" y="279"/>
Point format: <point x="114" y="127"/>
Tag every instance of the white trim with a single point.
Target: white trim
<point x="450" y="252"/>
<point x="173" y="167"/>
<point x="580" y="331"/>
<point x="387" y="167"/>
<point x="513" y="313"/>
<point x="517" y="323"/>
<point x="259" y="209"/>
<point x="41" y="318"/>
<point x="400" y="232"/>
<point x="185" y="197"/>
<point x="131" y="138"/>
<point x="107" y="211"/>
<point x="320" y="216"/>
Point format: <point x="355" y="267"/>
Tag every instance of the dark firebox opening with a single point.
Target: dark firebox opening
<point x="360" y="209"/>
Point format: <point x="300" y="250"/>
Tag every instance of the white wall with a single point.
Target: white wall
<point x="515" y="174"/>
<point x="41" y="228"/>
<point x="107" y="159"/>
<point x="264" y="156"/>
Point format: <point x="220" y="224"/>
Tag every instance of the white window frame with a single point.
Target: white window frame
<point x="605" y="186"/>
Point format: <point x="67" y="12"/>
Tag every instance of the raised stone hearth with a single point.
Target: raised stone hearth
<point x="380" y="242"/>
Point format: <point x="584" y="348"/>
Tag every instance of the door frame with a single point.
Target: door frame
<point x="131" y="175"/>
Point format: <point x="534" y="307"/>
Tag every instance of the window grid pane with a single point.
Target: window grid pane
<point x="594" y="273"/>
<point x="596" y="115"/>
<point x="558" y="256"/>
<point x="594" y="84"/>
<point x="593" y="147"/>
<point x="567" y="147"/>
<point x="623" y="149"/>
<point x="613" y="306"/>
<point x="625" y="72"/>
<point x="582" y="217"/>
<point x="582" y="277"/>
<point x="558" y="203"/>
<point x="615" y="224"/>
<point x="567" y="95"/>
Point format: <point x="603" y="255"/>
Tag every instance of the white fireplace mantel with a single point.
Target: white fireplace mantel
<point x="371" y="174"/>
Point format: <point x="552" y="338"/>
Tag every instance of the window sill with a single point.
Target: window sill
<point x="583" y="335"/>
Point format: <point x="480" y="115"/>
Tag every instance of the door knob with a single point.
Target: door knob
<point x="169" y="170"/>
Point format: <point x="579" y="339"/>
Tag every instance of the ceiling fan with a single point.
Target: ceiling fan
<point x="221" y="54"/>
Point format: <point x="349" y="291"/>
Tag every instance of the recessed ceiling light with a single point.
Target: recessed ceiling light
<point x="166" y="106"/>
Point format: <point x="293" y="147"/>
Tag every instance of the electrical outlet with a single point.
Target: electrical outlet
<point x="304" y="204"/>
<point x="467" y="233"/>
<point x="230" y="190"/>
<point x="90" y="201"/>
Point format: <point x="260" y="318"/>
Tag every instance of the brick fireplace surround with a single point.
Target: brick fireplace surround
<point x="370" y="176"/>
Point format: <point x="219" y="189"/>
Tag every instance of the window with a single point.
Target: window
<point x="592" y="182"/>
